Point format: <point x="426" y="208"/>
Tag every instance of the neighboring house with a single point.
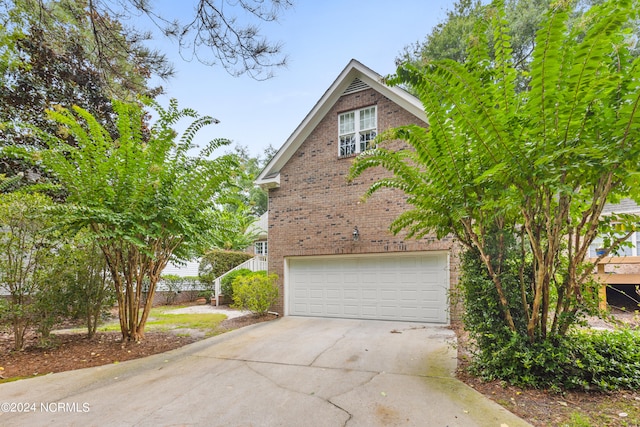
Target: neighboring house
<point x="619" y="272"/>
<point x="260" y="246"/>
<point x="188" y="269"/>
<point x="334" y="253"/>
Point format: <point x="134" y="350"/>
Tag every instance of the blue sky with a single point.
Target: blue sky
<point x="319" y="38"/>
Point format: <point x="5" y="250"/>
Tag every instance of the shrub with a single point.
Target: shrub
<point x="215" y="263"/>
<point x="606" y="360"/>
<point x="4" y="312"/>
<point x="582" y="359"/>
<point x="226" y="284"/>
<point x="25" y="253"/>
<point x="89" y="288"/>
<point x="483" y="315"/>
<point x="255" y="292"/>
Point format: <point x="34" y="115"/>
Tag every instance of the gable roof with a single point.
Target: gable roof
<point x="353" y="78"/>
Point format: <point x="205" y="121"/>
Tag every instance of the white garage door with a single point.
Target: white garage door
<point x="407" y="287"/>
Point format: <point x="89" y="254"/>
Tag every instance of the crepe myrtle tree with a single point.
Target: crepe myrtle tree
<point x="25" y="254"/>
<point x="540" y="163"/>
<point x="144" y="197"/>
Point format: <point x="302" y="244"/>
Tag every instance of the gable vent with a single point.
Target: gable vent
<point x="355" y="86"/>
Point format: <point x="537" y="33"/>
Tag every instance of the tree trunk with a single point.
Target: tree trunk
<point x="486" y="259"/>
<point x="19" y="330"/>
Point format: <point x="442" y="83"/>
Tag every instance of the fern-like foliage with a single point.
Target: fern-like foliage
<point x="145" y="197"/>
<point x="7" y="183"/>
<point x="539" y="163"/>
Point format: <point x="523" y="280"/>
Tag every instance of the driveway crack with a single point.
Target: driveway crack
<point x="349" y="414"/>
<point x="327" y="400"/>
<point x="315" y="359"/>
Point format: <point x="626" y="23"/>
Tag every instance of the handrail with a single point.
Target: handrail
<point x="257" y="263"/>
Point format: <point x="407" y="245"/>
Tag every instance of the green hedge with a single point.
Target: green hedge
<point x="582" y="360"/>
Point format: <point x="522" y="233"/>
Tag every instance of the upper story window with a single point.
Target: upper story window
<point x="357" y="130"/>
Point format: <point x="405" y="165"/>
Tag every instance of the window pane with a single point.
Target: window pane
<point x="261" y="248"/>
<point x="366" y="140"/>
<point x="368" y="118"/>
<point x="597" y="243"/>
<point x="347" y="145"/>
<point x="625" y="249"/>
<point x="347" y="123"/>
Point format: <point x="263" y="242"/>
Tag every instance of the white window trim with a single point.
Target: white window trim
<point x="263" y="248"/>
<point x="357" y="133"/>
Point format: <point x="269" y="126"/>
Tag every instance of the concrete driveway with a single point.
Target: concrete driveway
<point x="288" y="372"/>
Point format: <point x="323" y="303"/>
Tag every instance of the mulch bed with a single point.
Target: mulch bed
<point x="70" y="351"/>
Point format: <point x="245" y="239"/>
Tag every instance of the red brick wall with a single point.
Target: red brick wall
<point x="315" y="209"/>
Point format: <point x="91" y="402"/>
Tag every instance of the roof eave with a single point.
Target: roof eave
<point x="270" y="176"/>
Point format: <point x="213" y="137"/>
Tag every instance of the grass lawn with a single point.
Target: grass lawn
<point x="164" y="319"/>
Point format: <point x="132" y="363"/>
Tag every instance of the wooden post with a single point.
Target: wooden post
<point x="602" y="292"/>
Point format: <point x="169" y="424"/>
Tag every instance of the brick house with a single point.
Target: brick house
<point x="334" y="253"/>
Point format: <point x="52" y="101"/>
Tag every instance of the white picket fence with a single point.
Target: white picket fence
<point x="257" y="263"/>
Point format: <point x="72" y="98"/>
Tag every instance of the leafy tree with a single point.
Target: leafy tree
<point x="24" y="254"/>
<point x="223" y="32"/>
<point x="244" y="192"/>
<point x="87" y="287"/>
<point x="448" y="39"/>
<point x="235" y="229"/>
<point x="242" y="203"/>
<point x="539" y="163"/>
<point x="144" y="201"/>
<point x="454" y="37"/>
<point x="48" y="61"/>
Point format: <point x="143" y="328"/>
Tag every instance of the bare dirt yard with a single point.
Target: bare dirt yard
<point x="540" y="407"/>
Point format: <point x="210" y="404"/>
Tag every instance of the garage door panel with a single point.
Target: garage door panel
<point x="411" y="288"/>
<point x="408" y="294"/>
<point x="316" y="293"/>
<point x="351" y="294"/>
<point x="333" y="294"/>
<point x="301" y="307"/>
<point x="388" y="295"/>
<point x="333" y="309"/>
<point x="369" y="294"/>
<point x="369" y="310"/>
<point x="300" y="293"/>
<point x="316" y="309"/>
<point x="317" y="278"/>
